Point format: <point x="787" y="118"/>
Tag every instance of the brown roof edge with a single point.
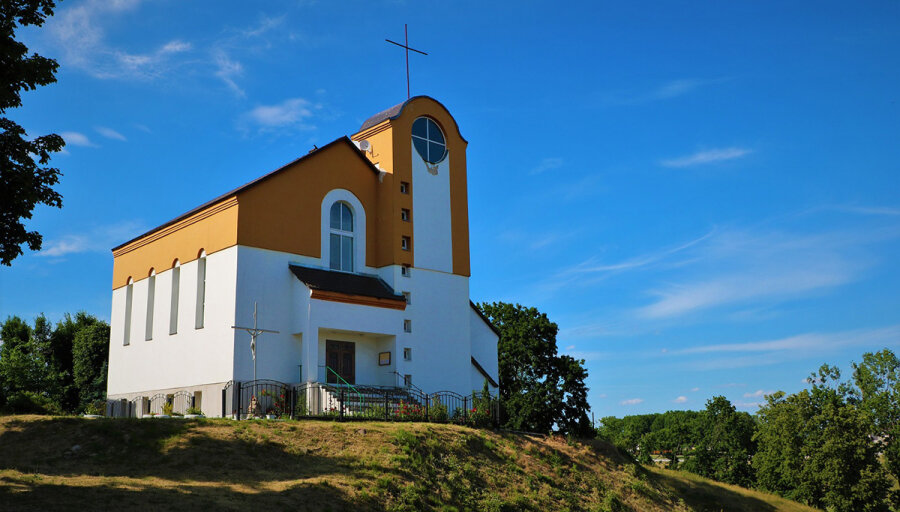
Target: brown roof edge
<point x="395" y="111"/>
<point x="481" y="370"/>
<point x="244" y="187"/>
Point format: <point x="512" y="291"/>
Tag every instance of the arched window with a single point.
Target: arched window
<point x="173" y="301"/>
<point x="341" y="248"/>
<point x="201" y="291"/>
<point x="129" y="291"/>
<point x="151" y="299"/>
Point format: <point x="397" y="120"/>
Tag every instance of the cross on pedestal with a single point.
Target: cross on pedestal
<point x="407" y="48"/>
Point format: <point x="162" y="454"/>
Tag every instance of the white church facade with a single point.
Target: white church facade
<point x="357" y="254"/>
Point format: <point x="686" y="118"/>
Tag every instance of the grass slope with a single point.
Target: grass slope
<point x="79" y="464"/>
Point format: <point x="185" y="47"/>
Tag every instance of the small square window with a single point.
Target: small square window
<point x="405" y="271"/>
<point x="408" y="297"/>
<point x="404" y="214"/>
<point x="407" y="380"/>
<point x="407" y="354"/>
<point x="404" y="243"/>
<point x="404" y="187"/>
<point x="407" y="325"/>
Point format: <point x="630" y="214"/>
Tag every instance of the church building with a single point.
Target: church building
<point x="357" y="254"/>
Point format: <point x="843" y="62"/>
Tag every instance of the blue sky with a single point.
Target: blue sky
<point x="703" y="195"/>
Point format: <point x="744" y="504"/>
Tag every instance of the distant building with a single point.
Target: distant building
<point x="357" y="253"/>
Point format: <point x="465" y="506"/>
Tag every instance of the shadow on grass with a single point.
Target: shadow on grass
<point x="22" y="495"/>
<point x="169" y="449"/>
<point x="703" y="496"/>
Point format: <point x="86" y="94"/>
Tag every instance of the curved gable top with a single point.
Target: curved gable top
<point x="395" y="112"/>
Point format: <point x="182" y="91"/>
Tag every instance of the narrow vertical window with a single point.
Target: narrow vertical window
<point x="173" y="303"/>
<point x="404" y="243"/>
<point x="151" y="296"/>
<point x="341" y="241"/>
<point x="201" y="290"/>
<point x="407" y="297"/>
<point x="407" y="325"/>
<point x="129" y="290"/>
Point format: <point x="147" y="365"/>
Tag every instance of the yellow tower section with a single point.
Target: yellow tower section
<point x="391" y="149"/>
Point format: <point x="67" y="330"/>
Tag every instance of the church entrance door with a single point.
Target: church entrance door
<point x="341" y="357"/>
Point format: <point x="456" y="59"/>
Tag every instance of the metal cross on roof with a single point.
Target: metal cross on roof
<point x="407" y="48"/>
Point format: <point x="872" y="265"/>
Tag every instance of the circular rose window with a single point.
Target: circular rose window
<point x="428" y="140"/>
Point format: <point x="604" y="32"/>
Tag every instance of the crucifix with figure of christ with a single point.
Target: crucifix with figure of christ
<point x="254" y="333"/>
<point x="407" y="48"/>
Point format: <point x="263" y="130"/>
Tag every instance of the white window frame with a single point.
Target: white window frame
<point x="407" y="325"/>
<point x="359" y="229"/>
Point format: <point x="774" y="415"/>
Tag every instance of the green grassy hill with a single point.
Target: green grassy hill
<point x="82" y="464"/>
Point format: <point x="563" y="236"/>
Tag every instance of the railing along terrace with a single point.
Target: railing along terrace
<point x="344" y="401"/>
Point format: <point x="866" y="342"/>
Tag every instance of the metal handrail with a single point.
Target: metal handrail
<point x="351" y="386"/>
<point x="411" y="385"/>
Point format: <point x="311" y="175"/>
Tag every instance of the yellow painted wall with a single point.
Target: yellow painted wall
<point x="283" y="211"/>
<point x="212" y="229"/>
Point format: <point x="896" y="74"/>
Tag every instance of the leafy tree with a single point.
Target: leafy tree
<point x="61" y="350"/>
<point x="25" y="178"/>
<point x="22" y="367"/>
<point x="42" y="369"/>
<point x="91" y="355"/>
<point x="538" y="388"/>
<point x="726" y="444"/>
<point x="877" y="380"/>
<point x="814" y="447"/>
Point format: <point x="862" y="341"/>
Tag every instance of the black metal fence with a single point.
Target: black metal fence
<point x="273" y="399"/>
<point x="160" y="404"/>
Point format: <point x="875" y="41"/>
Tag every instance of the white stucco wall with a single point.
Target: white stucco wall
<point x="191" y="357"/>
<point x="484" y="349"/>
<point x="263" y="277"/>
<point x="432" y="236"/>
<point x="439" y="311"/>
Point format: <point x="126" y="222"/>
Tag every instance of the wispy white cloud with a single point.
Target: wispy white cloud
<point x="79" y="33"/>
<point x="680" y="400"/>
<point x="665" y="91"/>
<point x="707" y="157"/>
<point x="547" y="164"/>
<point x="736" y="267"/>
<point x="694" y="390"/>
<point x="99" y="239"/>
<point x="109" y="133"/>
<point x="294" y="112"/>
<point x="632" y="401"/>
<point x="265" y="25"/>
<point x="759" y="393"/>
<point x="77" y="139"/>
<point x="747" y="405"/>
<point x="228" y="70"/>
<point x="870" y="210"/>
<point x="807" y="342"/>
